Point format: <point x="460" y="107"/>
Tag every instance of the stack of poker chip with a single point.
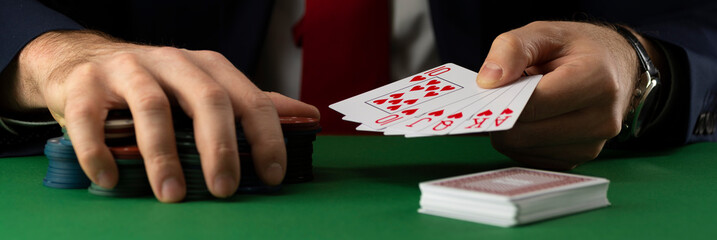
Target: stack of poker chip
<point x="119" y="130"/>
<point x="132" y="180"/>
<point x="120" y="138"/>
<point x="299" y="135"/>
<point x="191" y="165"/>
<point x="63" y="169"/>
<point x="192" y="168"/>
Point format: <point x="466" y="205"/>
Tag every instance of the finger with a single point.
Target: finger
<point x="512" y="52"/>
<point x="210" y="107"/>
<point x="258" y="115"/>
<point x="85" y="124"/>
<point x="153" y="127"/>
<point x="290" y="107"/>
<point x="263" y="131"/>
<point x="593" y="124"/>
<point x="567" y="88"/>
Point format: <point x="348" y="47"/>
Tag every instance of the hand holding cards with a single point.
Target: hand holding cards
<point x="512" y="196"/>
<point x="441" y="101"/>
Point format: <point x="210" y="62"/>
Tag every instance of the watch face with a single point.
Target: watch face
<point x="645" y="108"/>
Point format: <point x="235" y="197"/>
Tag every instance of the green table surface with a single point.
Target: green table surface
<point x="366" y="187"/>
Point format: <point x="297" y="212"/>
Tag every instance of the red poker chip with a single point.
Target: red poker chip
<point x="125" y="150"/>
<point x="299" y="123"/>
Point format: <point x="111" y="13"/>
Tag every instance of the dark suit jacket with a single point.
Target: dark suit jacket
<point x="464" y="31"/>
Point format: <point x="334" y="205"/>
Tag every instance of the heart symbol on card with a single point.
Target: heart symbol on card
<point x="418" y="78"/>
<point x="456" y="116"/>
<point x="431" y="88"/>
<point x="410" y="101"/>
<point x="436" y="113"/>
<point x="446" y="88"/>
<point x="395" y="101"/>
<point x="393" y="108"/>
<point x="485" y="113"/>
<point x="416" y="88"/>
<point x="506" y="111"/>
<point x="380" y="101"/>
<point x="431" y="94"/>
<point x="432" y="82"/>
<point x="409" y="111"/>
<point x="396" y="95"/>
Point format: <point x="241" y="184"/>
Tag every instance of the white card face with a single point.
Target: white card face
<point x="365" y="128"/>
<point x="446" y="125"/>
<point x="389" y="132"/>
<point x="502" y="113"/>
<point x="510" y="114"/>
<point x="419" y="122"/>
<point x="412" y="96"/>
<point x="347" y="118"/>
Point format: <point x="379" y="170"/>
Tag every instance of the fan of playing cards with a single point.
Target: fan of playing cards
<point x="442" y="101"/>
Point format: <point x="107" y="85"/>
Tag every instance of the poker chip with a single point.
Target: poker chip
<point x="184" y="136"/>
<point x="299" y="123"/>
<point x="64" y="170"/>
<point x="119" y="193"/>
<point x="126" y="161"/>
<point x="132" y="180"/>
<point x="112" y="136"/>
<point x="114" y="124"/>
<point x="300" y="134"/>
<point x="53" y="184"/>
<point x="65" y="165"/>
<point x="119" y="126"/>
<point x="54" y="170"/>
<point x="259" y="189"/>
<point x="125" y="151"/>
<point x="55" y="145"/>
<point x="187" y="148"/>
<point x="64" y="134"/>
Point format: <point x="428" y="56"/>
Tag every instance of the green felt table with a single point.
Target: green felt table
<point x="366" y="187"/>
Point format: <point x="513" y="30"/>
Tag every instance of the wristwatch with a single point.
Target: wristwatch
<point x="645" y="90"/>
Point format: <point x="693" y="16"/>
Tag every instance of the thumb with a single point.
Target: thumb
<point x="514" y="51"/>
<point x="289" y="107"/>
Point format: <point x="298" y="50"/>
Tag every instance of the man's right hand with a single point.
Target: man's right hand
<point x="589" y="79"/>
<point x="80" y="75"/>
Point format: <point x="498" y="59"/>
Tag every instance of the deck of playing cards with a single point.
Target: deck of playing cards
<point x="444" y="100"/>
<point x="512" y="196"/>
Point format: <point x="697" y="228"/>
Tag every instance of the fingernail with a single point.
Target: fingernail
<point x="104" y="179"/>
<point x="224" y="185"/>
<point x="489" y="74"/>
<point x="171" y="190"/>
<point x="274" y="171"/>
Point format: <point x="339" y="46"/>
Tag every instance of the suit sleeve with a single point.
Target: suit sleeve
<point x="21" y="21"/>
<point x="688" y="39"/>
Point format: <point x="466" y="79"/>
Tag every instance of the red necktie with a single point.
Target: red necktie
<point x="345" y="46"/>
